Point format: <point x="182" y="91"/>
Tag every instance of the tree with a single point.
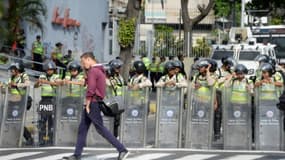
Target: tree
<point x="188" y="22"/>
<point x="275" y="9"/>
<point x="127" y="32"/>
<point x="19" y="11"/>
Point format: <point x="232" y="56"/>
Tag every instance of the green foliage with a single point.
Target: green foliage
<point x="223" y="8"/>
<point x="275" y="9"/>
<point x="276" y="20"/>
<point x="202" y="48"/>
<point x="126" y="34"/>
<point x="28" y="11"/>
<point x="165" y="41"/>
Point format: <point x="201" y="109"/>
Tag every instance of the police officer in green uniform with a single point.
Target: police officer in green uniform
<point x="57" y="57"/>
<point x="161" y="68"/>
<point x="38" y="53"/>
<point x="146" y="62"/>
<point x="115" y="84"/>
<point x="17" y="83"/>
<point x="48" y="83"/>
<point x="75" y="79"/>
<point x="153" y="68"/>
<point x="171" y="79"/>
<point x="241" y="86"/>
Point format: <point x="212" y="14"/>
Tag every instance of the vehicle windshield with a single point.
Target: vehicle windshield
<point x="280" y="44"/>
<point x="248" y="55"/>
<point x="219" y="54"/>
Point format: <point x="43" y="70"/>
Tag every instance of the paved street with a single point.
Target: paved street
<point x="55" y="153"/>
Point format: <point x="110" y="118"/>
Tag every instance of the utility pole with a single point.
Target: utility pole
<point x="242" y="13"/>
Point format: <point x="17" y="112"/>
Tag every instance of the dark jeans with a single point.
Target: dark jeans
<point x="95" y="118"/>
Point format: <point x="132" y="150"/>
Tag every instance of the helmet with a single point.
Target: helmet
<point x="267" y="68"/>
<point x="139" y="67"/>
<point x="169" y="65"/>
<point x="214" y="65"/>
<point x="177" y="64"/>
<point x="228" y="61"/>
<point x="49" y="65"/>
<point x="116" y="63"/>
<point x="262" y="58"/>
<point x="240" y="68"/>
<point x="202" y="63"/>
<point x="74" y="65"/>
<point x="18" y="66"/>
<point x="109" y="70"/>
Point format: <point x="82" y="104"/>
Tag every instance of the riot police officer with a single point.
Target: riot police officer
<point x="139" y="81"/>
<point x="17" y="83"/>
<point x="114" y="88"/>
<point x="48" y="83"/>
<point x="237" y="109"/>
<point x="171" y="79"/>
<point x="267" y="117"/>
<point x="225" y="70"/>
<point x="117" y="80"/>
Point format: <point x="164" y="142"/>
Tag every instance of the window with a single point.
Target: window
<point x="248" y="55"/>
<point x="219" y="54"/>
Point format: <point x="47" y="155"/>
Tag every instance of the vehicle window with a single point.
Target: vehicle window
<point x="248" y="55"/>
<point x="219" y="54"/>
<point x="280" y="44"/>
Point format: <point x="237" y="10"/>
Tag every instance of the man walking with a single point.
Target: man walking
<point x="96" y="85"/>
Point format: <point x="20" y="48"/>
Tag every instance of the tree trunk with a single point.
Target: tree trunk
<point x="126" y="55"/>
<point x="188" y="22"/>
<point x="133" y="8"/>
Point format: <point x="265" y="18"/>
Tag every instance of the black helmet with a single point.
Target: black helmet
<point x="267" y="68"/>
<point x="262" y="58"/>
<point x="139" y="67"/>
<point x="228" y="61"/>
<point x="177" y="64"/>
<point x="109" y="70"/>
<point x="240" y="68"/>
<point x="74" y="66"/>
<point x="49" y="65"/>
<point x="202" y="63"/>
<point x="116" y="63"/>
<point x="18" y="66"/>
<point x="169" y="65"/>
<point x="214" y="65"/>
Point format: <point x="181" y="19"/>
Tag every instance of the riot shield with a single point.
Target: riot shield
<point x="12" y="124"/>
<point x="200" y="114"/>
<point x="236" y="121"/>
<point x="46" y="122"/>
<point x="268" y="124"/>
<point x="94" y="139"/>
<point x="168" y="131"/>
<point x="2" y="98"/>
<point x="134" y="119"/>
<point x="68" y="116"/>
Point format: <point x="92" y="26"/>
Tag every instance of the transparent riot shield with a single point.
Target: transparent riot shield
<point x="134" y="119"/>
<point x="69" y="108"/>
<point x="12" y="124"/>
<point x="200" y="114"/>
<point x="268" y="122"/>
<point x="236" y="121"/>
<point x="94" y="139"/>
<point x="2" y="98"/>
<point x="170" y="103"/>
